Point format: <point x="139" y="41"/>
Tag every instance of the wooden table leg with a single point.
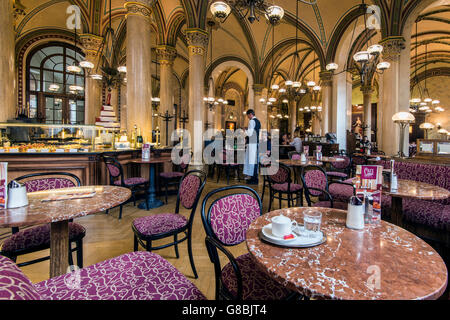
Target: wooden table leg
<point x="397" y="211"/>
<point x="59" y="248"/>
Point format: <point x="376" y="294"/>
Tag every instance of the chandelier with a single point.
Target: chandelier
<point x="367" y="62"/>
<point x="423" y="103"/>
<point x="111" y="75"/>
<point x="210" y="100"/>
<point x="250" y="9"/>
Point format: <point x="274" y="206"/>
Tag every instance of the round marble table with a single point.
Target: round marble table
<point x="152" y="201"/>
<point x="380" y="262"/>
<point x="58" y="213"/>
<point x="412" y="190"/>
<point x="298" y="163"/>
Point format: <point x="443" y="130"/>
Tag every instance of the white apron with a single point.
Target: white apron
<point x="250" y="159"/>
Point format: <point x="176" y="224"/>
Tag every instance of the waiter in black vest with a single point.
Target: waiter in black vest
<point x="251" y="154"/>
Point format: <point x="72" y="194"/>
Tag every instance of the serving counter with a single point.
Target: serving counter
<point x="88" y="166"/>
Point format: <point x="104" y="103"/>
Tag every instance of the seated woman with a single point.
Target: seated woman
<point x="297" y="142"/>
<point x="284" y="140"/>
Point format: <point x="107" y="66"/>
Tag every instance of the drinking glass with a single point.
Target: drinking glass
<point x="312" y="219"/>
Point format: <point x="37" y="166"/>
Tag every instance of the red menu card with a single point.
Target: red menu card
<point x="369" y="181"/>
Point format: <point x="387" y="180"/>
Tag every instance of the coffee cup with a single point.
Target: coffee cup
<point x="282" y="226"/>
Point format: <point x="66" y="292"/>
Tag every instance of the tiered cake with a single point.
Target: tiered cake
<point x="107" y="118"/>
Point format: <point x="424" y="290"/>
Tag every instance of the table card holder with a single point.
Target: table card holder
<point x="318" y="153"/>
<point x="369" y="183"/>
<point x="306" y="150"/>
<point x="146" y="152"/>
<point x="3" y="185"/>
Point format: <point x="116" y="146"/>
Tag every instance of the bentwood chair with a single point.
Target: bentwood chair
<point x="282" y="188"/>
<point x="226" y="215"/>
<point x="163" y="225"/>
<point x="340" y="170"/>
<point x="116" y="178"/>
<point x="264" y="162"/>
<point x="315" y="183"/>
<point x="227" y="166"/>
<point x="172" y="178"/>
<point x="294" y="155"/>
<point x="33" y="239"/>
<point x="132" y="276"/>
<point x="357" y="160"/>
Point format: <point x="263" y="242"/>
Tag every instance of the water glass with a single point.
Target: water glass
<point x="312" y="219"/>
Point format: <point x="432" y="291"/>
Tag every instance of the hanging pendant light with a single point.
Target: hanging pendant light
<point x="274" y="14"/>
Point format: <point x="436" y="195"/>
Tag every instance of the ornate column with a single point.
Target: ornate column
<point x="139" y="76"/>
<point x="166" y="58"/>
<point x="390" y="101"/>
<point x="260" y="107"/>
<point x="342" y="107"/>
<point x="292" y="115"/>
<point x="7" y="62"/>
<point x="326" y="78"/>
<point x="91" y="43"/>
<point x="367" y="103"/>
<point x="197" y="45"/>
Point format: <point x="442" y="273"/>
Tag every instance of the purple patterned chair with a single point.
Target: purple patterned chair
<point x="163" y="225"/>
<point x="264" y="162"/>
<point x="117" y="178"/>
<point x="37" y="238"/>
<point x="316" y="185"/>
<point x="294" y="155"/>
<point x="132" y="276"/>
<point x="280" y="185"/>
<point x="172" y="178"/>
<point x="227" y="165"/>
<point x="230" y="211"/>
<point x="340" y="169"/>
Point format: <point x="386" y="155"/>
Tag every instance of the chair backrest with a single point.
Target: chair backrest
<point x="294" y="155"/>
<point x="341" y="164"/>
<point x="283" y="175"/>
<point x="314" y="180"/>
<point x="115" y="169"/>
<point x="228" y="217"/>
<point x="358" y="160"/>
<point x="185" y="160"/>
<point x="189" y="191"/>
<point x="14" y="284"/>
<point x="49" y="180"/>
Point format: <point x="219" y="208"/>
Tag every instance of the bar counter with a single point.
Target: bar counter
<point x="88" y="166"/>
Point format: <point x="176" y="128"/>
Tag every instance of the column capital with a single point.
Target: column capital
<point x="141" y="8"/>
<point x="258" y="88"/>
<point x="166" y="54"/>
<point x="90" y="43"/>
<point x="367" y="90"/>
<point x="392" y="47"/>
<point x="197" y="40"/>
<point x="326" y="77"/>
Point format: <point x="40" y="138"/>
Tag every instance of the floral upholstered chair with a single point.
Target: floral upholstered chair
<point x="226" y="215"/>
<point x="116" y="178"/>
<point x="315" y="183"/>
<point x="132" y="276"/>
<point x="163" y="225"/>
<point x="37" y="238"/>
<point x="340" y="169"/>
<point x="282" y="188"/>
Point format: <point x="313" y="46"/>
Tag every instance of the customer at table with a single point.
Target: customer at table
<point x="297" y="142"/>
<point x="365" y="144"/>
<point x="284" y="140"/>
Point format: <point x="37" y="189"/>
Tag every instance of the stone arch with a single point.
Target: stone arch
<point x="237" y="63"/>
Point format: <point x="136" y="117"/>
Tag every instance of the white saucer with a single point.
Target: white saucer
<point x="267" y="232"/>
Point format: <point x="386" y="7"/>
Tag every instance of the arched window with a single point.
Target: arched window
<point x="50" y="91"/>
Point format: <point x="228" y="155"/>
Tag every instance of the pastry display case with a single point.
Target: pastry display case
<point x="49" y="138"/>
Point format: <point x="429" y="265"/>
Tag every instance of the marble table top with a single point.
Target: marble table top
<point x="152" y="160"/>
<point x="380" y="262"/>
<point x="417" y="190"/>
<point x="38" y="212"/>
<point x="298" y="163"/>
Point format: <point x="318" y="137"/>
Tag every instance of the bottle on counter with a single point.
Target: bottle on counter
<point x="133" y="138"/>
<point x="139" y="139"/>
<point x="394" y="181"/>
